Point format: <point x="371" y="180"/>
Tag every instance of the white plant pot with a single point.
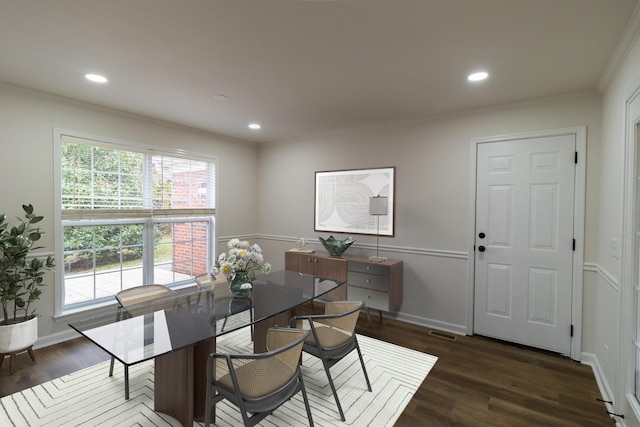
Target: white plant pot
<point x="18" y="336"/>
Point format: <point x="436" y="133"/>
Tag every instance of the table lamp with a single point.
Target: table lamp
<point x="378" y="205"/>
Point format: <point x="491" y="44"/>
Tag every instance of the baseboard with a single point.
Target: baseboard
<point x="429" y="323"/>
<point x="56" y="338"/>
<point x="607" y="395"/>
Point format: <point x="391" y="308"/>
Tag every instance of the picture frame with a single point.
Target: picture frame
<point x="342" y="201"/>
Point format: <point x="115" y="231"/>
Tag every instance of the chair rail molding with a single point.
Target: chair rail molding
<point x="372" y="246"/>
<point x="609" y="278"/>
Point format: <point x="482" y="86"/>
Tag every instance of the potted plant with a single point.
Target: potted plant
<point x="21" y="281"/>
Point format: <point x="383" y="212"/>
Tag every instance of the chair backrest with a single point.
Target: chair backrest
<point x="257" y="375"/>
<point x="219" y="286"/>
<point x="146" y="299"/>
<point x="338" y="323"/>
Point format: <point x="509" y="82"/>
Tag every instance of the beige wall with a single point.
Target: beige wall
<point x="27" y="120"/>
<point x="615" y="293"/>
<point x="432" y="192"/>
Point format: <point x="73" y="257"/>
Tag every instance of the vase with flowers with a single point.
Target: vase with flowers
<point x="239" y="265"/>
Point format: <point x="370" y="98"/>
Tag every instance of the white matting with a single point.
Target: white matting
<point x="91" y="398"/>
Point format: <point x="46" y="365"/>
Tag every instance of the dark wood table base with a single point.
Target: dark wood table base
<point x="180" y="382"/>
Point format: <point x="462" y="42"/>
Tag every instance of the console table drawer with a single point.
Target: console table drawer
<point x="380" y="283"/>
<point x="369" y="268"/>
<point x="372" y="299"/>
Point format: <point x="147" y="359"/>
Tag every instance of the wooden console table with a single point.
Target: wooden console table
<point x="378" y="284"/>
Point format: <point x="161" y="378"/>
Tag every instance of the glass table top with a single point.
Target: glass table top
<point x="148" y="330"/>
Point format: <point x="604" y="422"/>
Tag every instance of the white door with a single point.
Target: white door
<point x="524" y="241"/>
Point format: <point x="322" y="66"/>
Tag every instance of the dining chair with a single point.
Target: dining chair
<point x="219" y="299"/>
<point x="258" y="383"/>
<point x="137" y="301"/>
<point x="333" y="337"/>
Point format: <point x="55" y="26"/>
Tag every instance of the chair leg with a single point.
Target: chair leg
<point x="126" y="377"/>
<point x="364" y="369"/>
<point x="333" y="388"/>
<point x="209" y="302"/>
<point x="251" y="319"/>
<point x="126" y="382"/>
<point x="304" y="397"/>
<point x="207" y="405"/>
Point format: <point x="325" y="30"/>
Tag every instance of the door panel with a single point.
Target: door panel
<point x="501" y="203"/>
<point x="544" y="218"/>
<point x="524" y="207"/>
<point x="499" y="290"/>
<point x="543" y="293"/>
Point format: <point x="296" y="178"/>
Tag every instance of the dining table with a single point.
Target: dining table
<point x="178" y="333"/>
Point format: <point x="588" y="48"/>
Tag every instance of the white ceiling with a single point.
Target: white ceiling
<point x="303" y="66"/>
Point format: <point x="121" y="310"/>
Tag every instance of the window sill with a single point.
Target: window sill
<point x="104" y="307"/>
<point x="84" y="312"/>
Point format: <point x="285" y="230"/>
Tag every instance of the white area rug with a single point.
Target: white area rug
<point x="91" y="398"/>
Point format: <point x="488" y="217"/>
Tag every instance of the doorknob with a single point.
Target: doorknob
<point x="482" y="235"/>
<point x="481" y="248"/>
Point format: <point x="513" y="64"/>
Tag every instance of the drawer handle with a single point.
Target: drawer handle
<point x="368" y="268"/>
<point x="368" y="280"/>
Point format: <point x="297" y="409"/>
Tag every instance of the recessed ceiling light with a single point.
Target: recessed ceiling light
<point x="96" y="78"/>
<point x="476" y="77"/>
<point x="254" y="126"/>
<point x="221" y="97"/>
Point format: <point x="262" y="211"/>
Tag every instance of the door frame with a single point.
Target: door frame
<point x="580" y="133"/>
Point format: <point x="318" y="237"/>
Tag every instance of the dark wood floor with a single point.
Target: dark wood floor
<point x="476" y="381"/>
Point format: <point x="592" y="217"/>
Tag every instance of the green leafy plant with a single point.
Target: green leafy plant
<point x="21" y="280"/>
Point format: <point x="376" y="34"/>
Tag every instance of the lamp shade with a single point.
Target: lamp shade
<point x="378" y="205"/>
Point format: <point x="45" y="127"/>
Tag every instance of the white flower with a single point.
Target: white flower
<point x="214" y="272"/>
<point x="241" y="256"/>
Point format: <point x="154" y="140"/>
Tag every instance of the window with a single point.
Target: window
<point x="130" y="215"/>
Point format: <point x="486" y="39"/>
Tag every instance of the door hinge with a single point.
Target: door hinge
<point x="574" y="244"/>
<point x="576" y="158"/>
<point x="571" y="332"/>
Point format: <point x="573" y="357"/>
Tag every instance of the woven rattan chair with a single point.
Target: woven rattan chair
<point x="137" y="301"/>
<point x="258" y="383"/>
<point x="332" y="337"/>
<point x="220" y="300"/>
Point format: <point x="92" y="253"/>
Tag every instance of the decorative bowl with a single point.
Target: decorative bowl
<point x="336" y="247"/>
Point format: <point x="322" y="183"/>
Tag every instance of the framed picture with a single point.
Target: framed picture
<point x="342" y="201"/>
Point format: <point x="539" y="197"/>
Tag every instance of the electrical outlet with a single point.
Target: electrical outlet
<point x="614" y="248"/>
